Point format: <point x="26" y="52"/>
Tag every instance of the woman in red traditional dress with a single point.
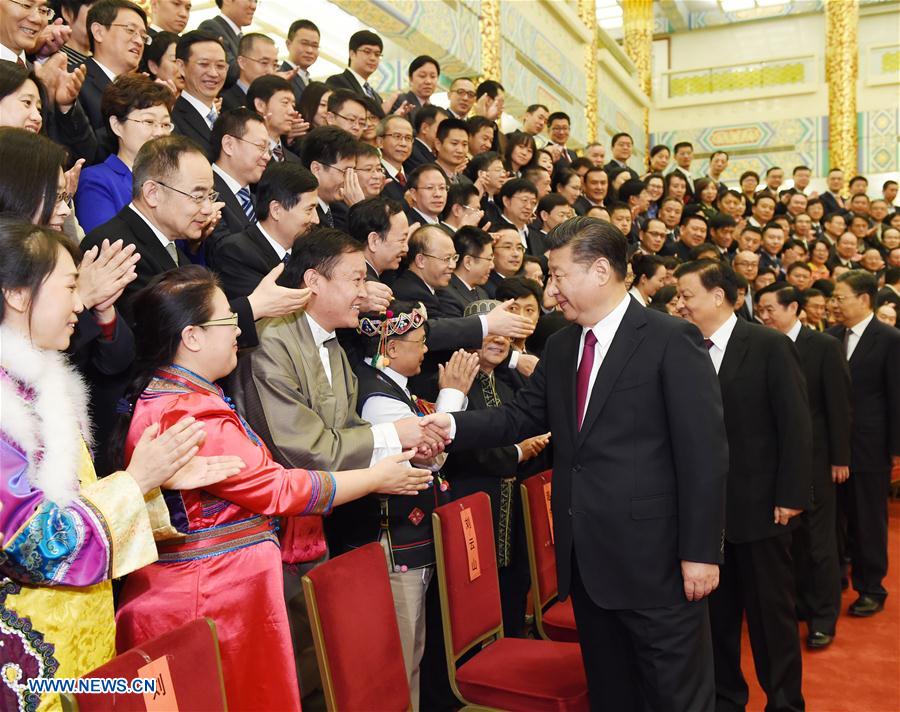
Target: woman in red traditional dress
<point x="228" y="565"/>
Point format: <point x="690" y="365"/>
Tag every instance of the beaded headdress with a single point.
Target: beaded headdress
<point x="389" y="325"/>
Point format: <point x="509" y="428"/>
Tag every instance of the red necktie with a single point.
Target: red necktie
<point x="401" y="179"/>
<point x="584" y="374"/>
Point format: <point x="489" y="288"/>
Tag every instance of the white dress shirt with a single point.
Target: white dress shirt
<point x="279" y="250"/>
<point x="234" y="28"/>
<point x="106" y="70"/>
<point x="605" y="330"/>
<point x="163" y="240"/>
<point x="10" y="56"/>
<point x="720" y="339"/>
<point x="636" y="293"/>
<point x="855" y="334"/>
<point x="201" y="106"/>
<point x="794" y="331"/>
<point x="302" y="73"/>
<point x="386" y="442"/>
<point x="232" y="184"/>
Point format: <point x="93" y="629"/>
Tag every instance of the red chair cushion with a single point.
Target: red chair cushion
<point x="359" y="625"/>
<point x="533" y="675"/>
<point x="559" y="622"/>
<point x="473" y="606"/>
<point x="544" y="553"/>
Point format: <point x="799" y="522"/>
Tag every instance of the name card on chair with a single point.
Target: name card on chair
<point x="163" y="700"/>
<point x="468" y="526"/>
<point x="547" y="489"/>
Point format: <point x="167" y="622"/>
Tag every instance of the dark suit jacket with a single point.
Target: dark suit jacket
<point x="420" y="155"/>
<point x="242" y="260"/>
<point x="234" y="219"/>
<point x="615" y="164"/>
<point x="831" y="204"/>
<point x="234" y="97"/>
<point x="92" y="93"/>
<point x="828" y="388"/>
<point x="346" y="80"/>
<point x="875" y="389"/>
<point x="456" y="296"/>
<point x="769" y="429"/>
<point x="188" y="122"/>
<point x="689" y="179"/>
<point x="221" y="29"/>
<point x="641" y="486"/>
<point x="582" y="205"/>
<point x="129" y="227"/>
<point x="297" y="83"/>
<point x="886" y="295"/>
<point x="392" y="188"/>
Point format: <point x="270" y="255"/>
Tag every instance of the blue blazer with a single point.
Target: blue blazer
<point x="103" y="190"/>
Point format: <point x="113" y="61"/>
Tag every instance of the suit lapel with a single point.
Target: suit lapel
<point x="568" y="360"/>
<point x="261" y="245"/>
<point x="192" y="118"/>
<point x="353" y="82"/>
<point x="864" y="345"/>
<point x="622" y="347"/>
<point x="150" y="244"/>
<point x="734" y="353"/>
<point x="230" y="199"/>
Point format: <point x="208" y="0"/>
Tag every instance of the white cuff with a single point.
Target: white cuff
<point x="450" y="400"/>
<point x="514" y="358"/>
<point x="484" y="326"/>
<point x="385" y="443"/>
<point x="518" y="452"/>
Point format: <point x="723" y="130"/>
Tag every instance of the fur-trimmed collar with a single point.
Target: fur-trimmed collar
<point x="44" y="412"/>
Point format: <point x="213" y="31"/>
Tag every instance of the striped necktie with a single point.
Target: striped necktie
<point x="370" y="92"/>
<point x="212" y="116"/>
<point x="243" y="195"/>
<point x="278" y="152"/>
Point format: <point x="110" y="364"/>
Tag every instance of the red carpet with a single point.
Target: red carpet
<point x="860" y="671"/>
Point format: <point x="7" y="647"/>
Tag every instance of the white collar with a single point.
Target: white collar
<point x="325" y="208"/>
<point x="397" y="378"/>
<point x="430" y="221"/>
<point x="320" y="336"/>
<point x="164" y="241"/>
<point x="391" y="171"/>
<point x="465" y="284"/>
<point x="359" y="78"/>
<point x="243" y="85"/>
<point x="201" y="106"/>
<point x="232" y="184"/>
<point x="636" y="293"/>
<point x="721" y="335"/>
<point x="279" y="250"/>
<point x="861" y="326"/>
<point x="605" y="329"/>
<point x="106" y="70"/>
<point x="156" y="28"/>
<point x="794" y="331"/>
<point x="235" y="28"/>
<point x="10" y="56"/>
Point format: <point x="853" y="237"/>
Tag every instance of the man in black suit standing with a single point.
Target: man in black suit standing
<point x="117" y="32"/>
<point x="684" y="156"/>
<point x="872" y="350"/>
<point x="426" y="124"/>
<point x="394" y="138"/>
<point x="286" y="200"/>
<point x="558" y="126"/>
<point x="640" y="458"/>
<point x="519" y="198"/>
<point x="228" y="27"/>
<point x="769" y="481"/>
<point x="475" y="248"/>
<point x="257" y="57"/>
<point x="814" y="547"/>
<point x="303" y="51"/>
<point x="381" y="226"/>
<point x="365" y="50"/>
<point x="423" y="73"/>
<point x="622" y="145"/>
<point x="201" y="59"/>
<point x="169" y="16"/>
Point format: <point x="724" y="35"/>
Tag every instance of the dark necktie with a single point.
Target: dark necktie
<point x="243" y="196"/>
<point x="278" y="152"/>
<point x="19" y="61"/>
<point x="847" y="333"/>
<point x="286" y="258"/>
<point x="583" y="379"/>
<point x="709" y="343"/>
<point x="327" y="219"/>
<point x="370" y="92"/>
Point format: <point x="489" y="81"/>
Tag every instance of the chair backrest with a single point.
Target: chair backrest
<point x="354" y="625"/>
<point x="191" y="655"/>
<point x="470" y="607"/>
<point x="539" y="532"/>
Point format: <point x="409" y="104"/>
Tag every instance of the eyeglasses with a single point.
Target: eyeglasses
<point x="370" y="52"/>
<point x="464" y="93"/>
<point x="399" y="137"/>
<point x="471" y="209"/>
<point x="359" y="123"/>
<point x="131" y="31"/>
<point x="440" y="188"/>
<point x="451" y="260"/>
<point x="654" y="233"/>
<point x="270" y="63"/>
<point x="370" y="171"/>
<point x="420" y="342"/>
<point x="150" y="124"/>
<point x="341" y="170"/>
<point x="63" y="196"/>
<point x="263" y="148"/>
<point x="485" y="259"/>
<point x="46" y="12"/>
<point x="231" y="320"/>
<point x="212" y="196"/>
<point x="518" y="247"/>
<point x="841" y="298"/>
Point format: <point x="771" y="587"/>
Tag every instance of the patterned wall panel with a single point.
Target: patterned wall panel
<point x="879" y="148"/>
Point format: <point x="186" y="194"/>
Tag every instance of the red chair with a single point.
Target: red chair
<point x="555" y="620"/>
<point x="192" y="653"/>
<point x="354" y="626"/>
<point x="504" y="673"/>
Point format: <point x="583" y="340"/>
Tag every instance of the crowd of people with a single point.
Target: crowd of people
<point x="240" y="304"/>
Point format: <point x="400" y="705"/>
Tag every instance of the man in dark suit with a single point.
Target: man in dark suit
<point x="832" y="198"/>
<point x="228" y="27"/>
<point x="329" y="153"/>
<point x="286" y="210"/>
<point x="476" y="257"/>
<point x="691" y="234"/>
<point x="558" y="126"/>
<point x="814" y="547"/>
<point x="271" y="97"/>
<point x="769" y="482"/>
<point x="201" y="58"/>
<point x="890" y="292"/>
<point x="395" y="138"/>
<point x="622" y="145"/>
<point x="845" y="249"/>
<point x="425" y="125"/>
<point x="239" y="151"/>
<point x="640" y="457"/>
<point x="117" y="30"/>
<point x="365" y="50"/>
<point x="872" y="350"/>
<point x="303" y="51"/>
<point x="257" y="57"/>
<point x="684" y="156"/>
<point x="519" y="198"/>
<point x="423" y="74"/>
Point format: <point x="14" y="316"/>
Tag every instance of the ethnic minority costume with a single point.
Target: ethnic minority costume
<point x="228" y="566"/>
<point x="64" y="533"/>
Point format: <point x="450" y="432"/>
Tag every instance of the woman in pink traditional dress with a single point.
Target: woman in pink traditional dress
<point x="64" y="534"/>
<point x="228" y="566"/>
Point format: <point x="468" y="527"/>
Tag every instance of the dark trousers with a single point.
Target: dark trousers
<point x="657" y="659"/>
<point x="865" y="504"/>
<point x="757" y="578"/>
<point x="816" y="568"/>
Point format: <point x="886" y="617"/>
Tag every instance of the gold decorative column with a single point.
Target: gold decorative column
<point x="489" y="23"/>
<point x="841" y="71"/>
<point x="637" y="23"/>
<point x="587" y="11"/>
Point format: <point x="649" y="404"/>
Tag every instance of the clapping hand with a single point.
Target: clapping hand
<point x="459" y="372"/>
<point x="104" y="273"/>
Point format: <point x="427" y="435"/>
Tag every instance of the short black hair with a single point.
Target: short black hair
<point x="339" y="97"/>
<point x="713" y="274"/>
<point x="475" y="123"/>
<point x="104" y="12"/>
<point x="302" y="25"/>
<point x="687" y="217"/>
<point x="861" y="282"/>
<point x="855" y="179"/>
<point x="785" y="294"/>
<point x="248" y="39"/>
<point x="282" y="182"/>
<point x="720" y="220"/>
<point x="363" y="38"/>
<point x="645" y="265"/>
<point x="892" y="275"/>
<point x="517" y="185"/>
<point x="412" y="179"/>
<point x="800" y="168"/>
<point x="490" y="87"/>
<point x="371" y="215"/>
<point x="561" y="177"/>
<point x="327" y="145"/>
<point x="717" y="152"/>
<point x="427" y="115"/>
<point x="320" y="250"/>
<point x="232" y="122"/>
<point x="773" y="168"/>
<point x="420" y="62"/>
<point x="459" y="194"/>
<point x="799" y="264"/>
<point x="764" y="195"/>
<point x="265" y="87"/>
<point x="697" y="252"/>
<point x="470" y="241"/>
<point x="518" y="287"/>
<point x="592" y="239"/>
<point x="631" y="188"/>
<point x="481" y="163"/>
<point x="450" y="124"/>
<point x="887" y="184"/>
<point x="683" y="144"/>
<point x="617" y="205"/>
<point x="772" y="226"/>
<point x="189" y="39"/>
<point x="556" y="116"/>
<point x="616" y="137"/>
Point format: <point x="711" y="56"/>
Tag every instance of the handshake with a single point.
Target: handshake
<point x="428" y="435"/>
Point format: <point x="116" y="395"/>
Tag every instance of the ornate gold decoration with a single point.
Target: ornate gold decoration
<point x="489" y="24"/>
<point x="637" y="23"/>
<point x="737" y="79"/>
<point x="587" y="11"/>
<point x="841" y="71"/>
